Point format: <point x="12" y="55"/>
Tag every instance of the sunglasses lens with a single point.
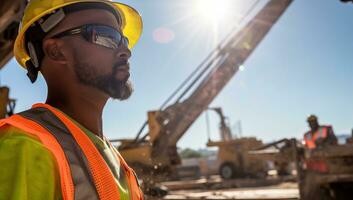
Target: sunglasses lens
<point x="125" y="41"/>
<point x="106" y="42"/>
<point x="107" y="36"/>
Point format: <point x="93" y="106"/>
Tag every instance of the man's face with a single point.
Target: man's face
<point x="97" y="66"/>
<point x="314" y="125"/>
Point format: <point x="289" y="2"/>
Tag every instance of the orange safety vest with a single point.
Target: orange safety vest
<point x="61" y="136"/>
<point x="310" y="137"/>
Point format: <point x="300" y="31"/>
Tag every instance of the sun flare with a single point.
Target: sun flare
<point x="212" y="10"/>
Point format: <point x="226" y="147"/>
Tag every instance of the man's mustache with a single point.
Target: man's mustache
<point x="122" y="64"/>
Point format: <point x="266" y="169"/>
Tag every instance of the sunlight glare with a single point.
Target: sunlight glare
<point x="212" y="10"/>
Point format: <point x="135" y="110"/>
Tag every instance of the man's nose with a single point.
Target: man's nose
<point x="123" y="52"/>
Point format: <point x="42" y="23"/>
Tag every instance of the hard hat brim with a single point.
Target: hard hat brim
<point x="131" y="26"/>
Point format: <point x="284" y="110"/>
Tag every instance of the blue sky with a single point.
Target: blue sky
<point x="303" y="66"/>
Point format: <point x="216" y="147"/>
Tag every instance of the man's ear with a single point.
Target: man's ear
<point x="53" y="50"/>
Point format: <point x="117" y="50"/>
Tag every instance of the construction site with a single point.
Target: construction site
<point x="174" y="155"/>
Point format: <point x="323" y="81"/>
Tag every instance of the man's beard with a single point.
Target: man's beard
<point x="116" y="89"/>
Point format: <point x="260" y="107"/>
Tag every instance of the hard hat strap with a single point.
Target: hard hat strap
<point x="34" y="38"/>
<point x="32" y="71"/>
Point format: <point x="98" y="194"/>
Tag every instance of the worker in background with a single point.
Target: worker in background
<point x="318" y="135"/>
<point x="57" y="149"/>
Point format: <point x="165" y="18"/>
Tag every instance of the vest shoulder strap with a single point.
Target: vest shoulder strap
<point x="48" y="140"/>
<point x="134" y="185"/>
<point x="43" y="121"/>
<point x="84" y="188"/>
<point x="102" y="176"/>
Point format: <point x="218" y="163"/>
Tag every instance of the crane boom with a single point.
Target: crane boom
<point x="10" y="15"/>
<point x="227" y="61"/>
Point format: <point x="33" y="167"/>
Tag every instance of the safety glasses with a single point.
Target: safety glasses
<point x="102" y="35"/>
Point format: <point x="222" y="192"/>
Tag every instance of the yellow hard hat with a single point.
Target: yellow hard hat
<point x="36" y="9"/>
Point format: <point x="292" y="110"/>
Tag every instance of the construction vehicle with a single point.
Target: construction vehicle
<point x="10" y="15"/>
<point x="233" y="156"/>
<point x="331" y="175"/>
<point x="280" y="153"/>
<point x="154" y="154"/>
<point x="323" y="173"/>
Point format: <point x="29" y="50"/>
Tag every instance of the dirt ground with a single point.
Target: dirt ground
<point x="282" y="191"/>
<point x="201" y="189"/>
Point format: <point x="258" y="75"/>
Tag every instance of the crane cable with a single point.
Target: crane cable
<point x="209" y="58"/>
<point x="201" y="67"/>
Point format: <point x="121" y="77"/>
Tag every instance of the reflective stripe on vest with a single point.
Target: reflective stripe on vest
<point x="321" y="133"/>
<point x="68" y="142"/>
<point x="82" y="178"/>
<point x="311" y="138"/>
<point x="134" y="185"/>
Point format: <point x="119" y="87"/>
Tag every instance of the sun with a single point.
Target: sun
<point x="212" y="10"/>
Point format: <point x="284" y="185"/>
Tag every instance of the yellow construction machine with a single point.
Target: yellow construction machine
<point x="233" y="157"/>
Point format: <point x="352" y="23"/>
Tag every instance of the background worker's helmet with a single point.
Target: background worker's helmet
<point x="312" y="118"/>
<point x="46" y="14"/>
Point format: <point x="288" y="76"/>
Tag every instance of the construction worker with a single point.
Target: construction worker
<point x="318" y="135"/>
<point x="57" y="150"/>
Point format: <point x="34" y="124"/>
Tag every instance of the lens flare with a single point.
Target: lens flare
<point x="212" y="10"/>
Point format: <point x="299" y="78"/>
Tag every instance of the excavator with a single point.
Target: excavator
<point x="154" y="154"/>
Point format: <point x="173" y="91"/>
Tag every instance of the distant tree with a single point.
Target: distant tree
<point x="189" y="153"/>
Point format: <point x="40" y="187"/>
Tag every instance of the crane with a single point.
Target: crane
<point x="154" y="155"/>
